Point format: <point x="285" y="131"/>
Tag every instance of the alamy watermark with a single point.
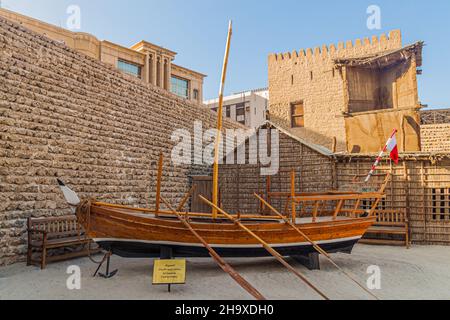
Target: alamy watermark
<point x="374" y="280"/>
<point x="237" y="146"/>
<point x="73" y="281"/>
<point x="73" y="21"/>
<point x="374" y="19"/>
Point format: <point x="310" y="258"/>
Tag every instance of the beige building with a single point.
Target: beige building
<point x="248" y="108"/>
<point x="144" y="60"/>
<point x="351" y="96"/>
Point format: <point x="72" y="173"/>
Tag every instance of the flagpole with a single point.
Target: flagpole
<point x="380" y="156"/>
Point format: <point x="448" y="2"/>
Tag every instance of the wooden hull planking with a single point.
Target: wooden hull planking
<point x="128" y="233"/>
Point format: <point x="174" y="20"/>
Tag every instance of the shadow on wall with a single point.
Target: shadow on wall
<point x="310" y="135"/>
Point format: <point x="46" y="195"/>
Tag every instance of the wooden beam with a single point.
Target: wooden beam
<point x="222" y="263"/>
<point x="268" y="188"/>
<point x="338" y="209"/>
<point x="325" y="197"/>
<point x="316" y="210"/>
<point x="266" y="246"/>
<point x="190" y="214"/>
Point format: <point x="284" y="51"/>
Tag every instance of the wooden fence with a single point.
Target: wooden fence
<point x="420" y="185"/>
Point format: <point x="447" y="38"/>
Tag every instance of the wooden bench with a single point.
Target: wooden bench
<point x="57" y="234"/>
<point x="389" y="222"/>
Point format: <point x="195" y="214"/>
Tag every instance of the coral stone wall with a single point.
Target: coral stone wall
<point x="63" y="114"/>
<point x="310" y="76"/>
<point x="435" y="137"/>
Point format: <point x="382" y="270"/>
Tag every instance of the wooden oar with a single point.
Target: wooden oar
<point x="317" y="247"/>
<point x="222" y="263"/>
<point x="266" y="246"/>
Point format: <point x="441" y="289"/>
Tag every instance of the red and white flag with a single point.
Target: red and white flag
<point x="391" y="145"/>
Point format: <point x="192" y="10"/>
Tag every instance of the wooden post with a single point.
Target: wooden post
<point x="293" y="203"/>
<point x="268" y="188"/>
<point x="158" y="183"/>
<point x="215" y="191"/>
<point x="222" y="263"/>
<point x="316" y="210"/>
<point x="338" y="209"/>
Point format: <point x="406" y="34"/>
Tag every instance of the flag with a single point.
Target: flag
<point x="391" y="145"/>
<point x="393" y="149"/>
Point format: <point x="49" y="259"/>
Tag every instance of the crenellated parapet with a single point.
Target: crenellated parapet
<point x="354" y="49"/>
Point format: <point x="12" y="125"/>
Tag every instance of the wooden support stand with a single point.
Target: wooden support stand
<point x="166" y="253"/>
<point x="311" y="261"/>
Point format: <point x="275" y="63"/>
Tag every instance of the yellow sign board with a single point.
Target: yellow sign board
<point x="169" y="272"/>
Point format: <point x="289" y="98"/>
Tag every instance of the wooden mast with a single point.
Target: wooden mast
<point x="222" y="263"/>
<point x="215" y="191"/>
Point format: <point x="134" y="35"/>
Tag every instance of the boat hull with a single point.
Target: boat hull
<point x="142" y="249"/>
<point x="129" y="233"/>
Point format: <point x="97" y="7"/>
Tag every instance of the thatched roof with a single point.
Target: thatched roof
<point x="385" y="59"/>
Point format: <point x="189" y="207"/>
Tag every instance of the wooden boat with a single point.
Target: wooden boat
<point x="139" y="233"/>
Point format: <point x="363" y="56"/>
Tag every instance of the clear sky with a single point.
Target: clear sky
<point x="196" y="29"/>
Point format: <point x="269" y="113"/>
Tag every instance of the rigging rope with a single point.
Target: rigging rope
<point x="83" y="213"/>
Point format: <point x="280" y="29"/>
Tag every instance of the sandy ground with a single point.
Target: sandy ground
<point x="422" y="272"/>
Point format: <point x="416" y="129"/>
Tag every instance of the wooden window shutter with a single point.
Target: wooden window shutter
<point x="297" y="115"/>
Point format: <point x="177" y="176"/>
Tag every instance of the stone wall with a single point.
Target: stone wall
<point x="63" y="114"/>
<point x="435" y="137"/>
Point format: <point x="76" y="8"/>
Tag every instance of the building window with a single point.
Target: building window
<point x="228" y="111"/>
<point x="240" y="113"/>
<point x="129" y="68"/>
<point x="440" y="204"/>
<point x="297" y="115"/>
<point x="196" y="95"/>
<point x="180" y="87"/>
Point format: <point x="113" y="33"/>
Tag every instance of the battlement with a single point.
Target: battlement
<point x="348" y="48"/>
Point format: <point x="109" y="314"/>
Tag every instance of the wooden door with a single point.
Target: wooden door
<point x="203" y="186"/>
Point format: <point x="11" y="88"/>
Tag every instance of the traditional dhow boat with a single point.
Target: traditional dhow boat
<point x="139" y="232"/>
